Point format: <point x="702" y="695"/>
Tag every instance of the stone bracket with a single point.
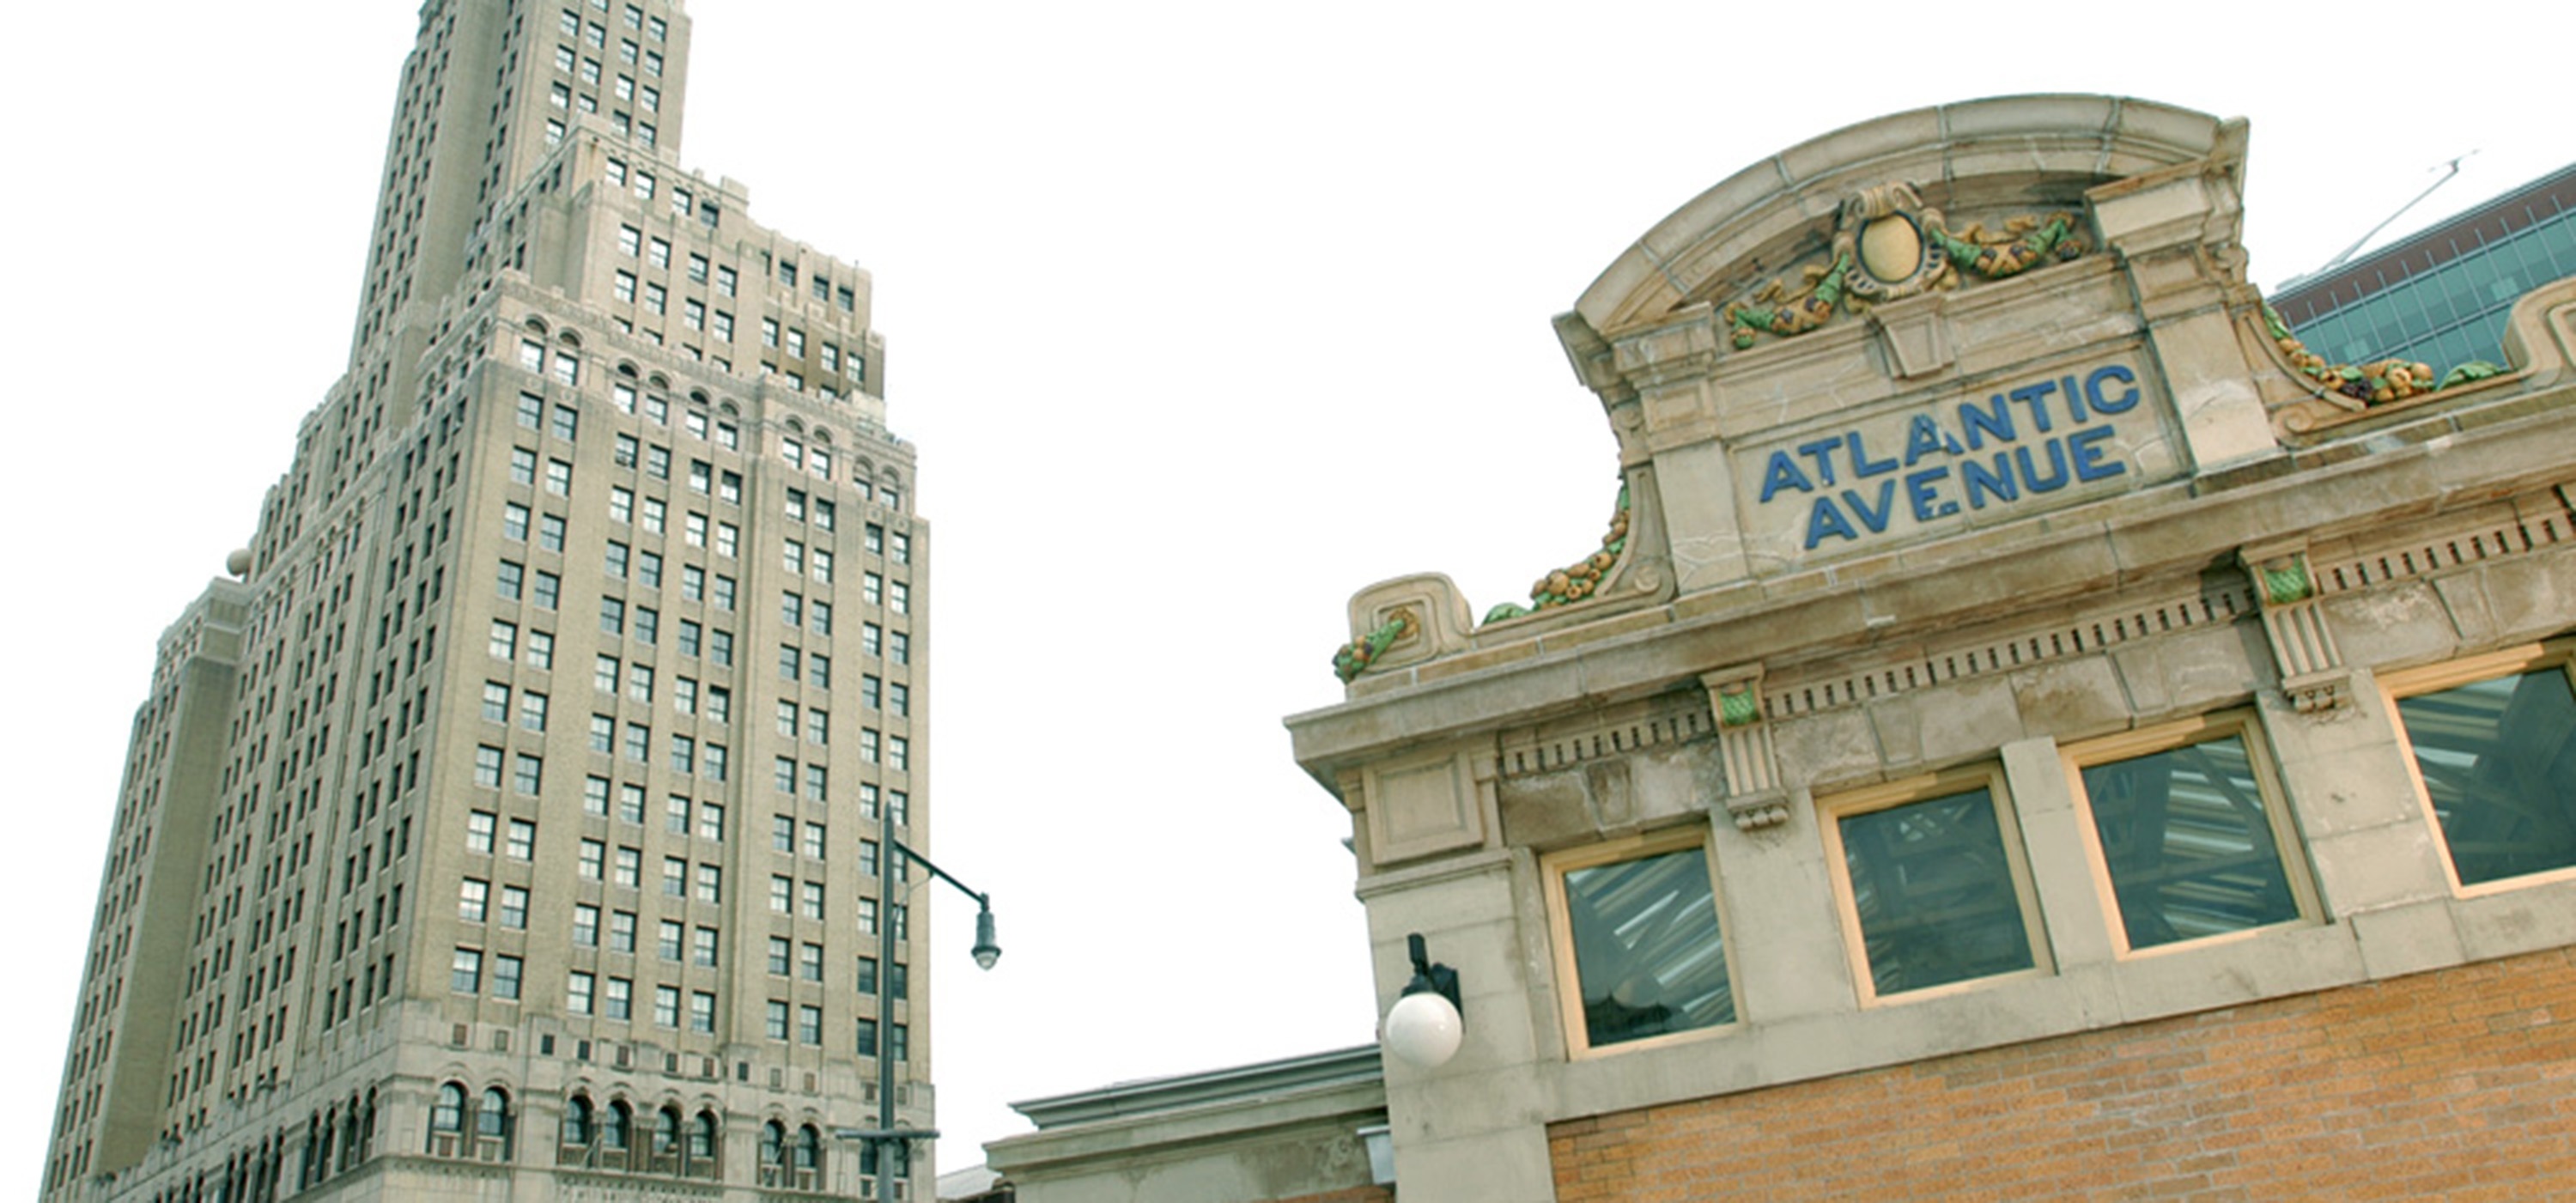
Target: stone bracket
<point x="1754" y="796"/>
<point x="2313" y="675"/>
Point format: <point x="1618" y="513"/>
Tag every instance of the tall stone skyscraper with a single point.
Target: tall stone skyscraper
<point x="508" y="819"/>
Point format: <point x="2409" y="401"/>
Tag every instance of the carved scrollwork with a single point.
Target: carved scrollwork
<point x="1888" y="245"/>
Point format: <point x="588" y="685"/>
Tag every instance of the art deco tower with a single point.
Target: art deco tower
<point x="509" y="816"/>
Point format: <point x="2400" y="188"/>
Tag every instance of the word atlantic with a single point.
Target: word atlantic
<point x="2042" y="437"/>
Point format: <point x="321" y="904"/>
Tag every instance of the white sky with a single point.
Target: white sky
<point x="1203" y="317"/>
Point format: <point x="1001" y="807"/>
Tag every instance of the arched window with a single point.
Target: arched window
<point x="702" y="1137"/>
<point x="666" y="1131"/>
<point x="620" y="1127"/>
<point x="349" y="1135"/>
<point x="492" y="1124"/>
<point x="809" y="1149"/>
<point x="577" y="1123"/>
<point x="448" y="1114"/>
<point x="773" y="1152"/>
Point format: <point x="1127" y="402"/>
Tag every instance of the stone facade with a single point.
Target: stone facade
<point x="507" y="828"/>
<point x="1291" y="1131"/>
<point x="2005" y="635"/>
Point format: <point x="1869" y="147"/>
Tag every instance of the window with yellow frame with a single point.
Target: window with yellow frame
<point x="1933" y="886"/>
<point x="2190" y="835"/>
<point x="2492" y="742"/>
<point x="1640" y="950"/>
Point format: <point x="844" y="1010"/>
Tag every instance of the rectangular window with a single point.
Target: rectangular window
<point x="621" y="999"/>
<point x="472" y="899"/>
<point x="594" y="859"/>
<point x="1931" y="881"/>
<point x="578" y="989"/>
<point x="2189" y="830"/>
<point x="504" y="644"/>
<point x="522" y="843"/>
<point x="514" y="907"/>
<point x="702" y="1012"/>
<point x="496" y="703"/>
<point x="782" y="895"/>
<point x="2489" y="741"/>
<point x="710" y="883"/>
<point x="507" y="582"/>
<point x="666" y="1006"/>
<point x="1638" y="935"/>
<point x="702" y="947"/>
<point x="506" y="972"/>
<point x="668" y="936"/>
<point x="467" y="975"/>
<point x="585" y="925"/>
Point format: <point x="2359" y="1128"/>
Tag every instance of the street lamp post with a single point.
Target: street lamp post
<point x="892" y="1145"/>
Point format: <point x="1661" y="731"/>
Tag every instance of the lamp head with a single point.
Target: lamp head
<point x="1426" y="1024"/>
<point x="986" y="950"/>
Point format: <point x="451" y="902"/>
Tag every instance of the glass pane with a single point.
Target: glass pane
<point x="2499" y="759"/>
<point x="1935" y="892"/>
<point x="2188" y="843"/>
<point x="1646" y="947"/>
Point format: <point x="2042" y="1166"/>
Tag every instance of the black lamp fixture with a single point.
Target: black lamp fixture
<point x="1426" y="1024"/>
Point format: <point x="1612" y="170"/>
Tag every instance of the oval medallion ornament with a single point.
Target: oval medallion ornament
<point x="1891" y="249"/>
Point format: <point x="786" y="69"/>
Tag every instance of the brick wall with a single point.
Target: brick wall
<point x="2458" y="1084"/>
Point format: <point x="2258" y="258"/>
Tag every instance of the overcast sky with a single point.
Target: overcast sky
<point x="1202" y="315"/>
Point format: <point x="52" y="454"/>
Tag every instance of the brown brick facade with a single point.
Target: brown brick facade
<point x="2457" y="1084"/>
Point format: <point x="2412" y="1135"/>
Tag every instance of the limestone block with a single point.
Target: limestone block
<point x="2166" y="213"/>
<point x="2188" y="672"/>
<point x="2519" y="920"/>
<point x="1424" y="804"/>
<point x="1835" y="746"/>
<point x="2397" y="624"/>
<point x="2378" y="867"/>
<point x="2226" y="972"/>
<point x="1788" y="960"/>
<point x="1494" y="1165"/>
<point x="1440" y="622"/>
<point x="1697" y="492"/>
<point x="1965" y="715"/>
<point x="2064" y="116"/>
<point x="2213" y="391"/>
<point x="2526" y="596"/>
<point x="1861" y="145"/>
<point x="1545" y="810"/>
<point x="2398" y="940"/>
<point x="2070" y="698"/>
